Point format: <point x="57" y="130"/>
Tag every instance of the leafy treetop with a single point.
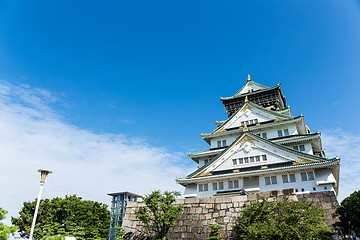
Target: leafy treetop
<point x="70" y="216"/>
<point x="282" y="220"/>
<point x="160" y="212"/>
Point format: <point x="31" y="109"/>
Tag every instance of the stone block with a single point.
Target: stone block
<point x="209" y="205"/>
<point x="236" y="204"/>
<point x="191" y="200"/>
<point x="222" y="213"/>
<point x="204" y="223"/>
<point x="252" y="197"/>
<point x="223" y="206"/>
<point x="198" y="210"/>
<point x="226" y="219"/>
<point x="222" y="199"/>
<point x="241" y="198"/>
<point x="217" y="206"/>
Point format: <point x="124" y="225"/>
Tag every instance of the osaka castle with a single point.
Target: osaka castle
<point x="260" y="147"/>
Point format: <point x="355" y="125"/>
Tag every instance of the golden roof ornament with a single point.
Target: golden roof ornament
<point x="246" y="99"/>
<point x="249" y="79"/>
<point x="245" y="128"/>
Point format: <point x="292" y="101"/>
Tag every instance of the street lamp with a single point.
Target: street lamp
<point x="44" y="174"/>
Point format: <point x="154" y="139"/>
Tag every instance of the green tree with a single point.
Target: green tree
<point x="160" y="212"/>
<point x="215" y="231"/>
<point x="70" y="216"/>
<point x="282" y="220"/>
<point x="5" y="231"/>
<point x="349" y="211"/>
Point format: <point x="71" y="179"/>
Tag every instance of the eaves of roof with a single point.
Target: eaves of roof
<point x="261" y="171"/>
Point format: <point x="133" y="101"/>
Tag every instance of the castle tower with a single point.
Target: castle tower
<point x="260" y="147"/>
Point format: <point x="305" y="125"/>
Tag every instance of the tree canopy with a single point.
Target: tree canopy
<point x="5" y="231"/>
<point x="160" y="212"/>
<point x="349" y="211"/>
<point x="282" y="220"/>
<point x="70" y="216"/>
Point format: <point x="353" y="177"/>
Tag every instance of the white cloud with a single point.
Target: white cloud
<point x="33" y="136"/>
<point x="347" y="146"/>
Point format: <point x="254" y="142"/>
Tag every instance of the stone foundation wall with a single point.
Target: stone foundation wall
<point x="199" y="213"/>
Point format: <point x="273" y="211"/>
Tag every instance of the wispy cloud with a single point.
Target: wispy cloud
<point x="347" y="146"/>
<point x="34" y="136"/>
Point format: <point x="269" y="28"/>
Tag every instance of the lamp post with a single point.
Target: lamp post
<point x="44" y="174"/>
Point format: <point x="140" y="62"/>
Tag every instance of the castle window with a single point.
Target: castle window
<point x="264" y="157"/>
<point x="288" y="178"/>
<point x="314" y="188"/>
<point x="264" y="135"/>
<point x="286" y="132"/>
<point x="270" y="180"/>
<point x="224" y="143"/>
<point x="214" y="186"/>
<point x="246" y="160"/>
<point x="257" y="158"/>
<point x="221" y="185"/>
<point x="252" y="159"/>
<point x="233" y="184"/>
<point x="307" y="176"/>
<point x="280" y="133"/>
<point x="241" y="160"/>
<point x="234" y="162"/>
<point x="203" y="187"/>
<point x="218" y="143"/>
<point x="292" y="177"/>
<point x="300" y="148"/>
<point x="251" y="122"/>
<point x="206" y="161"/>
<point x="255" y="121"/>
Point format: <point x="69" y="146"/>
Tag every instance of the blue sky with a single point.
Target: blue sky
<point x="80" y="77"/>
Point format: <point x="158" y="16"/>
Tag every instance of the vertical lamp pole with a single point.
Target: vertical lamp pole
<point x="44" y="174"/>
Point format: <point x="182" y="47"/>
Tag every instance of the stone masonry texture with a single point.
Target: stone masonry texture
<point x="199" y="213"/>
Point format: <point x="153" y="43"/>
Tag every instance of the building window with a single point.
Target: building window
<point x="218" y="143"/>
<point x="292" y="177"/>
<point x="270" y="180"/>
<point x="252" y="159"/>
<point x="251" y="122"/>
<point x="264" y="157"/>
<point x="234" y="162"/>
<point x="221" y="185"/>
<point x="257" y="158"/>
<point x="224" y="143"/>
<point x="255" y="121"/>
<point x="264" y="135"/>
<point x="246" y="160"/>
<point x="285" y="178"/>
<point x="307" y="176"/>
<point x="286" y="132"/>
<point x="288" y="178"/>
<point x="302" y="190"/>
<point x="314" y="188"/>
<point x="203" y="187"/>
<point x="300" y="147"/>
<point x="206" y="161"/>
<point x="233" y="184"/>
<point x="214" y="186"/>
<point x="280" y="133"/>
<point x="325" y="188"/>
<point x="241" y="160"/>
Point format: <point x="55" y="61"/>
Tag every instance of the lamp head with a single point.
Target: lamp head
<point x="44" y="174"/>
